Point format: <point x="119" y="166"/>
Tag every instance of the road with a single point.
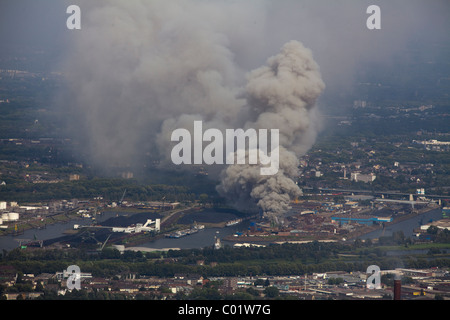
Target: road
<point x="372" y="192"/>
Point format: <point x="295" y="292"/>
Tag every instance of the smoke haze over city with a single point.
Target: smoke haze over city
<point x="137" y="70"/>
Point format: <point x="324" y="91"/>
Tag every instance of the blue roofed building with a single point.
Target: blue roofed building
<point x="367" y="220"/>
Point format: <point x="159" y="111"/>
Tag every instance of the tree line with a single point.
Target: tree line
<point x="110" y="189"/>
<point x="287" y="259"/>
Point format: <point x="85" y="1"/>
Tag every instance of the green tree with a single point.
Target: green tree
<point x="203" y="198"/>
<point x="271" y="292"/>
<point x="253" y="292"/>
<point x="259" y="282"/>
<point x="433" y="230"/>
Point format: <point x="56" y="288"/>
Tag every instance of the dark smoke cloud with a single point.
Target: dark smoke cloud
<point x="146" y="68"/>
<point x="282" y="95"/>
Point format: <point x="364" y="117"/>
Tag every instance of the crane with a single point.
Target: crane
<point x="123" y="195"/>
<point x="105" y="242"/>
<point x="164" y="202"/>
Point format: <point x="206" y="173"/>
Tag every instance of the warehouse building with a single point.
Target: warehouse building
<point x="367" y="220"/>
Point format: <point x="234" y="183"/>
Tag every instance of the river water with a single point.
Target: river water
<point x="201" y="239"/>
<point x="205" y="237"/>
<point x="406" y="226"/>
<point x="51" y="231"/>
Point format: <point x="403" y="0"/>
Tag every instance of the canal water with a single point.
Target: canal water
<point x="205" y="237"/>
<point x="50" y="231"/>
<point x="201" y="239"/>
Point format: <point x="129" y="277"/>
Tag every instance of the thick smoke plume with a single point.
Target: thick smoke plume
<point x="281" y="95"/>
<point x="141" y="69"/>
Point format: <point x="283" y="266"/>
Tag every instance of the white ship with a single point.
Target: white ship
<point x="233" y="222"/>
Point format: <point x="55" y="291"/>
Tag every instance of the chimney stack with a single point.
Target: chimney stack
<point x="397" y="287"/>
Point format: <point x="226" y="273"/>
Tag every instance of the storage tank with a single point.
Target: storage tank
<point x="1" y="221"/>
<point x="5" y="217"/>
<point x="13" y="216"/>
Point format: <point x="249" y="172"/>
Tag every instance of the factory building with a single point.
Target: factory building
<point x="434" y="145"/>
<point x="9" y="216"/>
<point x="367" y="220"/>
<point x="150" y="225"/>
<point x="160" y="205"/>
<point x="358" y="176"/>
<point x="440" y="224"/>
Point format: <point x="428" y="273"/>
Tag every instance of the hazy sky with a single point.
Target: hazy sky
<point x="248" y="32"/>
<point x="335" y="30"/>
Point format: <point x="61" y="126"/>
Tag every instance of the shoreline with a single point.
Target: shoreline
<point x="138" y="239"/>
<point x="401" y="219"/>
<point x="349" y="237"/>
<point x="38" y="224"/>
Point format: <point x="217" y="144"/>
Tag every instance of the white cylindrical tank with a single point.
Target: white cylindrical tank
<point x="1" y="221"/>
<point x="5" y="217"/>
<point x="13" y="216"/>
